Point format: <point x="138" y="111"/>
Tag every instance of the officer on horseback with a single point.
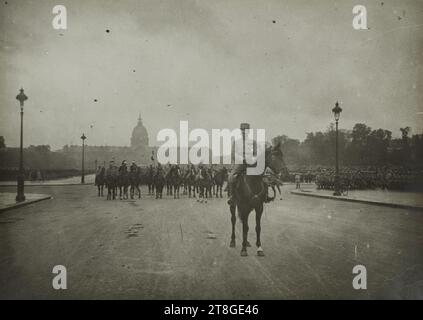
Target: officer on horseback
<point x="133" y="168"/>
<point x="123" y="167"/>
<point x="237" y="171"/>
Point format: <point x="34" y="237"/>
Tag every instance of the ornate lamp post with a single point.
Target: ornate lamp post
<point x="337" y="113"/>
<point x="243" y="127"/>
<point x="21" y="97"/>
<point x="83" y="137"/>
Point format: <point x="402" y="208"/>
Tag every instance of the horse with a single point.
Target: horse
<point x="190" y="182"/>
<point x="111" y="183"/>
<point x="135" y="180"/>
<point x="203" y="184"/>
<point x="184" y="179"/>
<point x="175" y="179"/>
<point x="100" y="181"/>
<point x="159" y="182"/>
<point x="150" y="180"/>
<point x="273" y="181"/>
<point x="123" y="184"/>
<point x="250" y="193"/>
<point x="167" y="181"/>
<point x="210" y="186"/>
<point x="219" y="179"/>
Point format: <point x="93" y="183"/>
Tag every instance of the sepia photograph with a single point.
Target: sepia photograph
<point x="199" y="150"/>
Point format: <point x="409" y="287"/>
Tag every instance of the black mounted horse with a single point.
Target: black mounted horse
<point x="111" y="182"/>
<point x="100" y="180"/>
<point x="175" y="180"/>
<point x="135" y="180"/>
<point x="190" y="182"/>
<point x="159" y="182"/>
<point x="150" y="180"/>
<point x="219" y="179"/>
<point x="203" y="183"/>
<point x="123" y="182"/>
<point x="250" y="194"/>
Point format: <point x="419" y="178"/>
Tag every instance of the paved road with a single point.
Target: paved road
<point x="179" y="249"/>
<point x="89" y="178"/>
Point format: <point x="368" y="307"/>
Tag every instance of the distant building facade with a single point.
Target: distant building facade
<point x="139" y="151"/>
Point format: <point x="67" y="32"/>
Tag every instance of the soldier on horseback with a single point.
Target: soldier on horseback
<point x="123" y="180"/>
<point x="100" y="179"/>
<point x="134" y="177"/>
<point x="111" y="176"/>
<point x="159" y="181"/>
<point x="237" y="171"/>
<point x="133" y="168"/>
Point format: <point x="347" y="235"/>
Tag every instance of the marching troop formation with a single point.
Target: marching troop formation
<point x="367" y="178"/>
<point x="124" y="181"/>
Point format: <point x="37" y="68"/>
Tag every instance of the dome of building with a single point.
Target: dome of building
<point x="139" y="138"/>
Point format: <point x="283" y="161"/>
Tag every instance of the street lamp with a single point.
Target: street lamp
<point x="83" y="137"/>
<point x="337" y="113"/>
<point x="21" y="97"/>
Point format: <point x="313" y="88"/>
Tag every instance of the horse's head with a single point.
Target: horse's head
<point x="274" y="157"/>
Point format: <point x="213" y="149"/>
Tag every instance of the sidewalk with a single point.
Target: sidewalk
<point x="7" y="200"/>
<point x="89" y="179"/>
<point x="396" y="199"/>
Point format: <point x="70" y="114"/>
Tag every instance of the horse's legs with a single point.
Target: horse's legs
<point x="279" y="189"/>
<point x="259" y="212"/>
<point x="233" y="220"/>
<point x="245" y="229"/>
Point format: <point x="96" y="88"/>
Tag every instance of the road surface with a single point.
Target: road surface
<point x="179" y="249"/>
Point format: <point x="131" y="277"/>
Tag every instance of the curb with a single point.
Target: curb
<point x="25" y="203"/>
<point x="371" y="202"/>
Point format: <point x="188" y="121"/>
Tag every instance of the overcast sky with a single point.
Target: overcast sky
<point x="280" y="65"/>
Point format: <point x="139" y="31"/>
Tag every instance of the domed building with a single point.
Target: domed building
<point x="139" y="151"/>
<point x="139" y="138"/>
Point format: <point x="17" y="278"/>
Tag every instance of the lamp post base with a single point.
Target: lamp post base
<point x="20" y="194"/>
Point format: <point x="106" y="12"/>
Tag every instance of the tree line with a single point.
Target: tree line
<point x="360" y="146"/>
